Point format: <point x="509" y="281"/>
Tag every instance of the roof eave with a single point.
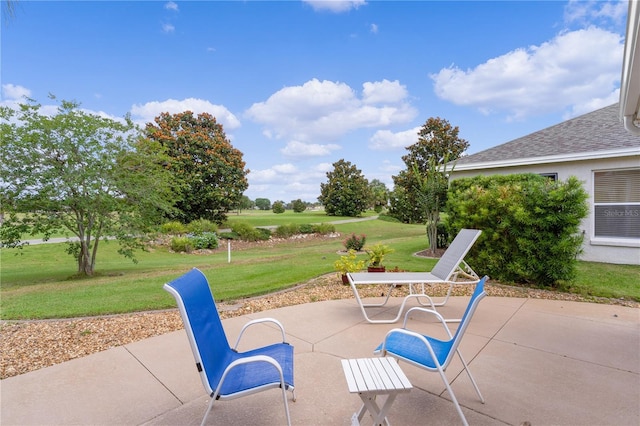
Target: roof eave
<point x="580" y="156"/>
<point x="630" y="79"/>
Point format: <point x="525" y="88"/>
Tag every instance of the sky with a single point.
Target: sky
<point x="299" y="85"/>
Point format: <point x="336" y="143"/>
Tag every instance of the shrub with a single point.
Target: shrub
<point x="205" y="240"/>
<point x="263" y="234"/>
<point x="228" y="235"/>
<point x="306" y="228"/>
<point x="286" y="231"/>
<point x="386" y="218"/>
<point x="324" y="228"/>
<point x="443" y="236"/>
<point x="181" y="244"/>
<point x="530" y="225"/>
<point x="173" y="228"/>
<point x="202" y="225"/>
<point x="247" y="232"/>
<point x="355" y="242"/>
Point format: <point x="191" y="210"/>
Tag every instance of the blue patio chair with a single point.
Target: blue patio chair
<point x="225" y="372"/>
<point x="430" y="353"/>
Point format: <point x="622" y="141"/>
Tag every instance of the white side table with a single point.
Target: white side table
<point x="370" y="377"/>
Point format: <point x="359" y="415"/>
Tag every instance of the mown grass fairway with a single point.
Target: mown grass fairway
<point x="39" y="282"/>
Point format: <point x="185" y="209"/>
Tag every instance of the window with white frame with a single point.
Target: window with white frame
<point x="616" y="199"/>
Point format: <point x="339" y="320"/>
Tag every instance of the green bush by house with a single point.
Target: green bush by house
<point x="530" y="225"/>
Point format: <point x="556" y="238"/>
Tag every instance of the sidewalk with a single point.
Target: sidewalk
<point x="542" y="361"/>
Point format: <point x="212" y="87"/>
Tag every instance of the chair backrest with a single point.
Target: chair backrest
<point x="478" y="294"/>
<point x="203" y="325"/>
<point x="455" y="253"/>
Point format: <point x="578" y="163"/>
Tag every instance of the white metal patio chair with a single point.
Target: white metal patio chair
<point x="446" y="271"/>
<point x="430" y="353"/>
<point x="225" y="372"/>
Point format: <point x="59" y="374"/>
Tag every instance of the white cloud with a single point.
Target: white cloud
<point x="171" y="6"/>
<point x="323" y="168"/>
<point x="286" y="168"/>
<point x="300" y="149"/>
<point x="373" y="28"/>
<point x="304" y="191"/>
<point x="383" y="92"/>
<point x="321" y="110"/>
<point x="15" y="92"/>
<point x="604" y="13"/>
<point x="168" y="28"/>
<point x="335" y="6"/>
<point x="145" y="113"/>
<point x="384" y="140"/>
<point x="592" y="105"/>
<point x="569" y="71"/>
<point x="261" y="176"/>
<point x="283" y="180"/>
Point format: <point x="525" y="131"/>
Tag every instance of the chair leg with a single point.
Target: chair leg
<point x="473" y="381"/>
<point x="453" y="397"/>
<point x="284" y="398"/>
<point x="286" y="405"/>
<point x="204" y="419"/>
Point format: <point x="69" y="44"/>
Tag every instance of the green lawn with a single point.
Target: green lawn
<point x="39" y="282"/>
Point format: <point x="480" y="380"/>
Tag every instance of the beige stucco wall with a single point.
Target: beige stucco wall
<point x="620" y="251"/>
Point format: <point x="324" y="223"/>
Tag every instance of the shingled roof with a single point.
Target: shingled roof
<point x="590" y="135"/>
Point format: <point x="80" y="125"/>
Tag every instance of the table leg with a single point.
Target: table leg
<point x="379" y="414"/>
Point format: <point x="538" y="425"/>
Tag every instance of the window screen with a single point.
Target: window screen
<point x="617" y="203"/>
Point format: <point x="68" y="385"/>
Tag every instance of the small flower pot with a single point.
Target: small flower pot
<point x="375" y="269"/>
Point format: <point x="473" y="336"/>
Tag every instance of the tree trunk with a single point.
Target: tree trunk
<point x="432" y="230"/>
<point x="85" y="263"/>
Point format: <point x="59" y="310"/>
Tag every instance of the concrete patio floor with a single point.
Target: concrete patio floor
<point x="546" y="362"/>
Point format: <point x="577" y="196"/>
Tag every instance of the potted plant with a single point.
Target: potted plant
<point x="376" y="254"/>
<point x="348" y="263"/>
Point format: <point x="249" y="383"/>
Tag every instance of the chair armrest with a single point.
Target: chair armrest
<point x="427" y="311"/>
<point x="258" y="321"/>
<point x="248" y="360"/>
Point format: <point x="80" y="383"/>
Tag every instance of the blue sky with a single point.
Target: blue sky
<point x="299" y="85"/>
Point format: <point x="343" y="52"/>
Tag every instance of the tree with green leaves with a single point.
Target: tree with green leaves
<point x="210" y="175"/>
<point x="245" y="203"/>
<point x="379" y="195"/>
<point x="437" y="140"/>
<point x="432" y="186"/>
<point x="278" y="207"/>
<point x="346" y="193"/>
<point x="298" y="205"/>
<point x="79" y="172"/>
<point x="438" y="143"/>
<point x="263" y="203"/>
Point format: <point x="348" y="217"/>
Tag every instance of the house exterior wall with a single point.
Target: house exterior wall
<point x="607" y="250"/>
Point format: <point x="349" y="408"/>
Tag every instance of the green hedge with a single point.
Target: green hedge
<point x="247" y="232"/>
<point x="530" y="225"/>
